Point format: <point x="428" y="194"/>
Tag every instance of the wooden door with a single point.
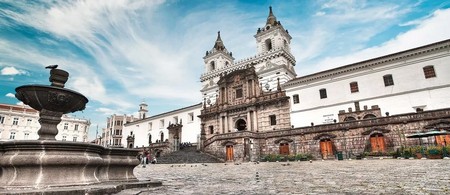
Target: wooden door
<point x="229" y="153"/>
<point x="442" y="140"/>
<point x="377" y="143"/>
<point x="326" y="147"/>
<point x="284" y="148"/>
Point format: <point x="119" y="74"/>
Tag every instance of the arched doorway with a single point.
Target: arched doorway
<point x="284" y="148"/>
<point x="229" y="153"/>
<point x="377" y="142"/>
<point x="326" y="148"/>
<point x="241" y="125"/>
<point x="131" y="145"/>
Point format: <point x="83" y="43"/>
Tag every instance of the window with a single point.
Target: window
<point x="295" y="99"/>
<point x="273" y="119"/>
<point x="66" y="126"/>
<point x="76" y="127"/>
<point x="161" y="123"/>
<point x="150" y="126"/>
<point x="2" y="119"/>
<point x="212" y="66"/>
<point x="429" y="72"/>
<point x="64" y="138"/>
<point x="323" y="93"/>
<point x="191" y="116"/>
<point x="268" y="44"/>
<point x="211" y="129"/>
<point x="15" y="121"/>
<point x="388" y="80"/>
<point x="118" y="132"/>
<point x="354" y="87"/>
<point x="29" y="122"/>
<point x="25" y="135"/>
<point x="12" y="135"/>
<point x="239" y="93"/>
<point x="74" y="139"/>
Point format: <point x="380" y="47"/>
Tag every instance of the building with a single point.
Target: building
<point x="154" y="130"/>
<point x="21" y="123"/>
<point x="113" y="133"/>
<point x="258" y="106"/>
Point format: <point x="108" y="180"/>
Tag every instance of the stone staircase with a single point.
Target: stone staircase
<point x="187" y="155"/>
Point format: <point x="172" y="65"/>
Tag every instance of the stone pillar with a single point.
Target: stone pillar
<point x="249" y="122"/>
<point x="49" y="121"/>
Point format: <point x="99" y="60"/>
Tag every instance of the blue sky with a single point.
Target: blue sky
<point x="121" y="52"/>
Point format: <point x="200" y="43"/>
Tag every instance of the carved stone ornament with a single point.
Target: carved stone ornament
<point x="58" y="98"/>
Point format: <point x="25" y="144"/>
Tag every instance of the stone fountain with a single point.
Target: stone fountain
<point x="46" y="164"/>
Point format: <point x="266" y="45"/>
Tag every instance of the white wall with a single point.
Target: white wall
<point x="410" y="90"/>
<point x="141" y="128"/>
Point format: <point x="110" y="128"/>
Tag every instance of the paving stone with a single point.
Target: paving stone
<point x="387" y="176"/>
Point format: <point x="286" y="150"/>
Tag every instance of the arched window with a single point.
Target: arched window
<point x="149" y="138"/>
<point x="349" y="118"/>
<point x="268" y="44"/>
<point x="212" y="66"/>
<point x="367" y="116"/>
<point x="162" y="137"/>
<point x="211" y="129"/>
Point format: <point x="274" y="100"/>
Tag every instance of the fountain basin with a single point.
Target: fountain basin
<point x="51" y="98"/>
<point x="34" y="164"/>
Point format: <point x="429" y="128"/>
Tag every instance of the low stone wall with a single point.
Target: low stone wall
<point x="34" y="164"/>
<point x="351" y="138"/>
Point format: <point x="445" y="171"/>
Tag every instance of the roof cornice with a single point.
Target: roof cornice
<point x="391" y="58"/>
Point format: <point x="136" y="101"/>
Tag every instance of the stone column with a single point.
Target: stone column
<point x="49" y="121"/>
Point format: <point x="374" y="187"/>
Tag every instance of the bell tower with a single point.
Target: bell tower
<point x="273" y="44"/>
<point x="216" y="60"/>
<point x="143" y="110"/>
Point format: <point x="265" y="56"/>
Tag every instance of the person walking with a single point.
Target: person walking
<point x="144" y="157"/>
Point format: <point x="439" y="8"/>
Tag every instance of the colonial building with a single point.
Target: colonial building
<point x="164" y="132"/>
<point x="257" y="106"/>
<point x="368" y="106"/>
<point x="113" y="133"/>
<point x="21" y="123"/>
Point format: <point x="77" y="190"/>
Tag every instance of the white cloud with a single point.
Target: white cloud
<point x="20" y="103"/>
<point x="106" y="111"/>
<point x="430" y="30"/>
<point x="12" y="71"/>
<point x="11" y="95"/>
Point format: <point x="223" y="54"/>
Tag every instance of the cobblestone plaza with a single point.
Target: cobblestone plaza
<point x="387" y="176"/>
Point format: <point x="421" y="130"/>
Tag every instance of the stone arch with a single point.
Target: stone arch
<point x="324" y="136"/>
<point x="228" y="143"/>
<point x="375" y="130"/>
<point x="349" y="118"/>
<point x="283" y="140"/>
<point x="368" y="116"/>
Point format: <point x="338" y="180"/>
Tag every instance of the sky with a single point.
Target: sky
<point x="122" y="52"/>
